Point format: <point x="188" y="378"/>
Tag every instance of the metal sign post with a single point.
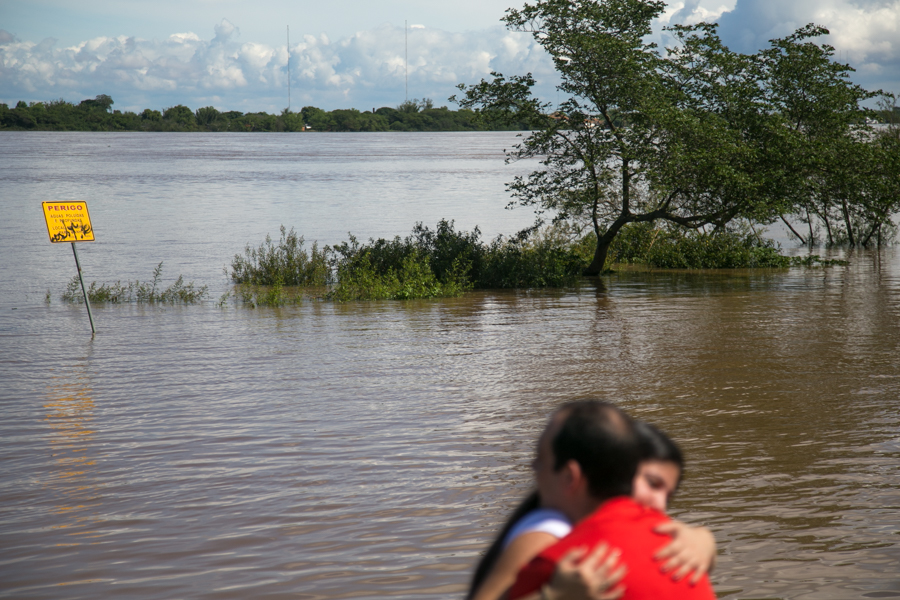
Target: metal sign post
<point x="87" y="302"/>
<point x="70" y="222"/>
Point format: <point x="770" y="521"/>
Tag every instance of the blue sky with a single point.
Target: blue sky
<point x="232" y="54"/>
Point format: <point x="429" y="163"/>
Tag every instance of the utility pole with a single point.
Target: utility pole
<point x="289" y="65"/>
<point x="406" y="58"/>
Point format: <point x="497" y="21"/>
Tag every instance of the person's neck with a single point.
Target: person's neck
<point x="583" y="507"/>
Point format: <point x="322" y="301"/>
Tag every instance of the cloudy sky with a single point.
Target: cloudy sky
<point x="233" y="54"/>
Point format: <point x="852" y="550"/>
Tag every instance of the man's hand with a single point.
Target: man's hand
<point x="581" y="575"/>
<point x="692" y="549"/>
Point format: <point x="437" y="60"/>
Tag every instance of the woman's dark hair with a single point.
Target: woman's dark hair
<point x="530" y="503"/>
<point x="656" y="445"/>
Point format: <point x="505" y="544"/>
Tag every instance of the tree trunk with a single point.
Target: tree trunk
<point x="799" y="237"/>
<point x="603" y="243"/>
<point x="876" y="229"/>
<point x="827" y="226"/>
<point x="812" y="235"/>
<point x="847" y="222"/>
<point x="600" y="252"/>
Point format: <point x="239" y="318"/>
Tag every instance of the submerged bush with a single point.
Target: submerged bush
<point x="400" y="269"/>
<point x="530" y="264"/>
<point x="676" y="248"/>
<point x="814" y="260"/>
<point x="440" y="262"/>
<point x="429" y="263"/>
<point x="460" y="259"/>
<point x="361" y="279"/>
<point x="284" y="263"/>
<point x="136" y="291"/>
<point x="251" y="295"/>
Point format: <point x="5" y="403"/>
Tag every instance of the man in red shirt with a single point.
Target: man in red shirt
<point x="585" y="464"/>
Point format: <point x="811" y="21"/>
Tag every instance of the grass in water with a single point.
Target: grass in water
<point x="136" y="291"/>
<point x="813" y="260"/>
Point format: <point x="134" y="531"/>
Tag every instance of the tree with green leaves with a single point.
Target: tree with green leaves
<point x="842" y="173"/>
<point x="641" y="137"/>
<point x="180" y="115"/>
<point x="206" y="116"/>
<point x="101" y="102"/>
<point x="694" y="137"/>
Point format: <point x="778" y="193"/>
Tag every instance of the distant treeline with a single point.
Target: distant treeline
<point x="96" y="114"/>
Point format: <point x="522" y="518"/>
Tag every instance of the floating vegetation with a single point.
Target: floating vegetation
<point x="136" y="291"/>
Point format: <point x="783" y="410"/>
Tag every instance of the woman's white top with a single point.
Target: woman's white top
<point x="547" y="520"/>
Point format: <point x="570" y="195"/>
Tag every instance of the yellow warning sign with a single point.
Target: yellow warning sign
<point x="68" y="221"/>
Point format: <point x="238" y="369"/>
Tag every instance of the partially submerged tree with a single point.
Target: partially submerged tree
<point x="642" y="137"/>
<point x="842" y="173"/>
<point x="695" y="137"/>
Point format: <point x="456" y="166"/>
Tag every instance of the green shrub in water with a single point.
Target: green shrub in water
<point x="365" y="275"/>
<point x="457" y="260"/>
<point x="440" y="262"/>
<point x="676" y="248"/>
<point x="428" y="263"/>
<point x="251" y="295"/>
<point x="814" y="260"/>
<point x="519" y="263"/>
<point x="136" y="291"/>
<point x="286" y="263"/>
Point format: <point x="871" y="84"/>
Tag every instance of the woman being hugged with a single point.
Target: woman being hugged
<point x="532" y="528"/>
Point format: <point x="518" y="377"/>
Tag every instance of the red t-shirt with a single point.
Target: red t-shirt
<point x="624" y="524"/>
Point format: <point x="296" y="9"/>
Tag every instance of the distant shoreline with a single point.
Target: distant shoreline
<point x="97" y="114"/>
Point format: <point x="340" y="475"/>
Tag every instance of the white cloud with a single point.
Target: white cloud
<point x="864" y="33"/>
<point x="181" y="38"/>
<point x="367" y="69"/>
<point x="363" y="70"/>
<point x="691" y="13"/>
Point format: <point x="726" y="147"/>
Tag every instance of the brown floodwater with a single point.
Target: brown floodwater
<point x="371" y="450"/>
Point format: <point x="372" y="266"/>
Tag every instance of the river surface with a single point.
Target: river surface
<point x="371" y="450"/>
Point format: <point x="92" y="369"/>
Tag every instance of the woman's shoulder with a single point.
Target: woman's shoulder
<point x="546" y="520"/>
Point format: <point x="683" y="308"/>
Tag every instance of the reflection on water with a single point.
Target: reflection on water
<point x="69" y="409"/>
<point x="370" y="450"/>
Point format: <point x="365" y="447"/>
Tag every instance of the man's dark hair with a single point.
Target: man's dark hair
<point x="602" y="440"/>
